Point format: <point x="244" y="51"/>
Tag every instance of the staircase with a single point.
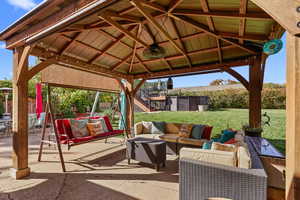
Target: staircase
<point x="142" y="105"/>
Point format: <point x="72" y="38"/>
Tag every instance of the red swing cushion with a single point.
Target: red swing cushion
<point x="64" y="128"/>
<point x="88" y="138"/>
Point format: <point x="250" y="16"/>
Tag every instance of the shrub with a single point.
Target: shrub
<point x="273" y="97"/>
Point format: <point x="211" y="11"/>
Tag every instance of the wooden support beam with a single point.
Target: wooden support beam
<point x="75" y="63"/>
<point x="242" y="26"/>
<point x="151" y="20"/>
<point x="92" y="48"/>
<point x="118" y="65"/>
<point x="139" y="86"/>
<point x="174" y="4"/>
<point x="204" y="28"/>
<point x="255" y="93"/>
<point x="68" y="45"/>
<point x="138" y="33"/>
<point x="142" y="63"/>
<point x="238" y="76"/>
<point x="292" y="187"/>
<point x="194" y="70"/>
<point x="23" y="62"/>
<point x="152" y="5"/>
<point x="39" y="67"/>
<point x="209" y="19"/>
<point x="129" y="106"/>
<point x="124" y="16"/>
<point x="222" y="14"/>
<point x="20" y="167"/>
<point x="105" y="16"/>
<point x="173" y="24"/>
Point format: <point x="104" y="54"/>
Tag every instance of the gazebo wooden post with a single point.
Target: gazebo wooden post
<point x="293" y="118"/>
<point x="129" y="92"/>
<point x="255" y="87"/>
<point x="20" y="167"/>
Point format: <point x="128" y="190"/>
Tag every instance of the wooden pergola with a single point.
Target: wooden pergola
<point x="108" y="37"/>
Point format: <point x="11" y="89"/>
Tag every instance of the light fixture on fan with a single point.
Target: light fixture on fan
<point x="154" y="51"/>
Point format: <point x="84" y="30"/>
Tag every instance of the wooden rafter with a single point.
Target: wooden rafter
<point x="142" y="63"/>
<point x="243" y="11"/>
<point x="194" y="69"/>
<point x="222" y="14"/>
<point x="124" y="16"/>
<point x="90" y="47"/>
<point x="118" y="65"/>
<point x="109" y="46"/>
<point x="205" y="28"/>
<point x="108" y="19"/>
<point x="174" y="4"/>
<point x="152" y="5"/>
<point x="209" y="19"/>
<point x="173" y="24"/>
<point x="68" y="45"/>
<point x="138" y="33"/>
<point x="237" y="75"/>
<point x="108" y="35"/>
<point x="168" y="64"/>
<point x="151" y="20"/>
<point x="75" y="63"/>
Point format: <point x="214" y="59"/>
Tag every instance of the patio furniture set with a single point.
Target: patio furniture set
<point x="231" y="170"/>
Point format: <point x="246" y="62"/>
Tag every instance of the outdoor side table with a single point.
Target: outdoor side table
<point x="146" y="150"/>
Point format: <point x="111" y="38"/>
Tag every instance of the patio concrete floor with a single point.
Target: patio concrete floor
<point x="94" y="171"/>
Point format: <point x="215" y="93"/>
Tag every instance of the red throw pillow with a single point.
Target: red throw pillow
<point x="231" y="141"/>
<point x="68" y="129"/>
<point x="108" y="124"/>
<point x="207" y="132"/>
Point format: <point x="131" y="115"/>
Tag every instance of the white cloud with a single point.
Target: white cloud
<point x="2" y="46"/>
<point x="24" y="4"/>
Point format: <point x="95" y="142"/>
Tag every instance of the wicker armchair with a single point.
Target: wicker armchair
<point x="203" y="180"/>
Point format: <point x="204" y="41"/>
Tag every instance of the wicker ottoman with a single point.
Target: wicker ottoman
<point x="146" y="150"/>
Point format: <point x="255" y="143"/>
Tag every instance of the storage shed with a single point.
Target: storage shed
<point x="186" y="103"/>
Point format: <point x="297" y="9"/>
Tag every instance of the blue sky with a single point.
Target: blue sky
<point x="11" y="10"/>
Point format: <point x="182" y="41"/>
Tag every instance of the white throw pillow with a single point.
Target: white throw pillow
<point x="147" y="126"/>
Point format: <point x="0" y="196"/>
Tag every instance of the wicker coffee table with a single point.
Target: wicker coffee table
<point x="146" y="150"/>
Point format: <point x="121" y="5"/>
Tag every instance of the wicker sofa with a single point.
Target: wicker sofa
<point x="200" y="180"/>
<point x="174" y="141"/>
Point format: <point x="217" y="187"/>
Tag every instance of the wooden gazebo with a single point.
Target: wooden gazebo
<point x="108" y="37"/>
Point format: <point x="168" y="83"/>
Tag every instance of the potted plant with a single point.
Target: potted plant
<point x="253" y="132"/>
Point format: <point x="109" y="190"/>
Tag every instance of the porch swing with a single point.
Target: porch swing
<point x="62" y="131"/>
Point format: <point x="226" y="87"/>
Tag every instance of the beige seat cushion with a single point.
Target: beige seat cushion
<point x="223" y="147"/>
<point x="191" y="141"/>
<point x="169" y="137"/>
<point x="212" y="156"/>
<point x="151" y="136"/>
<point x="243" y="156"/>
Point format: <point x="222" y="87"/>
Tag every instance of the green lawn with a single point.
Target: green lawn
<point x="227" y="118"/>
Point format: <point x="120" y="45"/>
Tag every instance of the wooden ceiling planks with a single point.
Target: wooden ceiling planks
<point x="201" y="31"/>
